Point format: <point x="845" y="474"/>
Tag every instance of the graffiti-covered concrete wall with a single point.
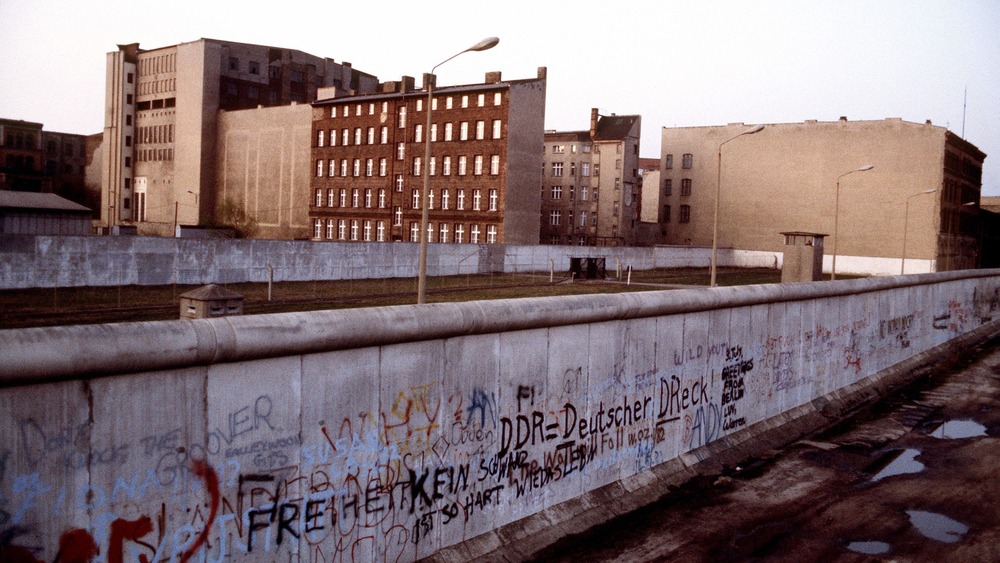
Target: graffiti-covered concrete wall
<point x="390" y="434"/>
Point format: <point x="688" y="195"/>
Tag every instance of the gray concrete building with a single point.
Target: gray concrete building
<point x="590" y="183"/>
<point x="162" y="121"/>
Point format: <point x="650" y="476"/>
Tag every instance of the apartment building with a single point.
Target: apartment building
<point x="921" y="194"/>
<point x="590" y="183"/>
<point x="368" y="157"/>
<point x="161" y="122"/>
<point x="35" y="160"/>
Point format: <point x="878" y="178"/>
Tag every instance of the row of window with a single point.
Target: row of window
<point x="558" y="168"/>
<point x="155" y="134"/>
<point x="685" y="216"/>
<point x="369" y="167"/>
<point x="668" y="187"/>
<point x="686" y="161"/>
<point x="555" y="218"/>
<point x="367" y="135"/>
<point x="375" y="231"/>
<point x="556" y="192"/>
<point x="561" y="149"/>
<point x="449" y="103"/>
<point x="154" y="155"/>
<point x="370" y="198"/>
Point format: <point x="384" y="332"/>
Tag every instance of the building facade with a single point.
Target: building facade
<point x="590" y="183"/>
<point x="35" y="160"/>
<point x="368" y="163"/>
<point x="161" y="121"/>
<point x="786" y="176"/>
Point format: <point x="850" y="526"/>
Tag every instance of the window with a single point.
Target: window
<point x="381" y="198"/>
<point x="382" y="166"/>
<point x="583" y="218"/>
<point x="329" y="228"/>
<point x="583" y="193"/>
<point x="371" y="135"/>
<point x="343" y="197"/>
<point x="666" y="214"/>
<point x="463" y="131"/>
<point x="400" y="151"/>
<point x="254" y="67"/>
<point x="357" y="167"/>
<point x="556" y="192"/>
<point x="444" y="199"/>
<point x="447" y="131"/>
<point x="465" y="101"/>
<point x="319" y="138"/>
<point x="460" y="233"/>
<point x="355" y="197"/>
<point x="558" y="149"/>
<point x="432" y="166"/>
<point x="418" y="133"/>
<point x="343" y="167"/>
<point x="557" y="169"/>
<point x="477" y="200"/>
<point x="384" y="136"/>
<point x="461" y="199"/>
<point x="572" y="169"/>
<point x="342" y="229"/>
<point x="668" y="161"/>
<point x="482" y="100"/>
<point x="687" y="160"/>
<point x="430" y="199"/>
<point x="496" y="129"/>
<point x="416" y="166"/>
<point x="333" y="110"/>
<point x="480" y="130"/>
<point x="420" y="104"/>
<point x="615" y="209"/>
<point x="401" y="117"/>
<point x="668" y="187"/>
<point x="618" y="163"/>
<point x="319" y="168"/>
<point x="399" y="182"/>
<point x="357" y="135"/>
<point x="333" y="137"/>
<point x="414" y="232"/>
<point x="318" y="228"/>
<point x="414" y="199"/>
<point x="497" y="98"/>
<point x="367" y="231"/>
<point x="477" y="165"/>
<point x="686" y="186"/>
<point x="585" y="169"/>
<point x="332" y="168"/>
<point x="319" y="198"/>
<point x="380" y="231"/>
<point x="234" y="63"/>
<point x="495" y="164"/>
<point x="345" y="137"/>
<point x="474" y="237"/>
<point x="461" y="165"/>
<point x="397" y="216"/>
<point x="331" y="197"/>
<point x="491" y="234"/>
<point x="685" y="214"/>
<point x="555" y="217"/>
<point x="354" y="229"/>
<point x="370" y="167"/>
<point x="443" y="233"/>
<point x="368" y="197"/>
<point x="446" y="166"/>
<point x="493" y="200"/>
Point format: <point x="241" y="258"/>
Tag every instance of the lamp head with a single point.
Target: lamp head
<point x="756" y="129"/>
<point x="866" y="168"/>
<point x="485" y="44"/>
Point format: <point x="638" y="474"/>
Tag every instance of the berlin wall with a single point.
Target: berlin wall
<point x="48" y="261"/>
<point x="391" y="434"/>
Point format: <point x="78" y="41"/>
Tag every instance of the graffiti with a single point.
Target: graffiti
<point x="691" y="354"/>
<point x="734" y="387"/>
<point x="897" y="327"/>
<point x="705" y="425"/>
<point x="675" y="397"/>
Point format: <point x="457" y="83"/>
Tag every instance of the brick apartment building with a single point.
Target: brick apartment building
<point x="486" y="139"/>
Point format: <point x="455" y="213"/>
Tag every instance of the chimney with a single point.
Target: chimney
<point x="543" y="72"/>
<point x="593" y="122"/>
<point x="428" y="79"/>
<point x="492" y="77"/>
<point x="407" y="84"/>
<point x="843" y="119"/>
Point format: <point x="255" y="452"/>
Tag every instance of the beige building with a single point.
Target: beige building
<point x="590" y="183"/>
<point x="785" y="178"/>
<point x="162" y="118"/>
<point x="486" y="140"/>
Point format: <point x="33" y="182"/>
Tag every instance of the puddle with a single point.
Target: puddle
<point x="904" y="463"/>
<point x="869" y="547"/>
<point x="937" y="526"/>
<point x="955" y="429"/>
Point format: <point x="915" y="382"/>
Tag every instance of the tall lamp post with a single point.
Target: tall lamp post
<point x="483" y="45"/>
<point x="836" y="216"/>
<point x="906" y="218"/>
<point x="718" y="191"/>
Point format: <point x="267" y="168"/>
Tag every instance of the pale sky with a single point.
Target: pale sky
<point x="675" y="63"/>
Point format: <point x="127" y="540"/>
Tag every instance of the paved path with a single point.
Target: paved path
<point x="914" y="478"/>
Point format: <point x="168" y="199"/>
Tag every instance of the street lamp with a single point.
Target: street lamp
<point x="906" y="217"/>
<point x="836" y="216"/>
<point x="483" y="45"/>
<point x="718" y="191"/>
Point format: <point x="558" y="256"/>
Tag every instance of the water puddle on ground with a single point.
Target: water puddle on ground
<point x="904" y="463"/>
<point x="955" y="429"/>
<point x="937" y="526"/>
<point x="869" y="547"/>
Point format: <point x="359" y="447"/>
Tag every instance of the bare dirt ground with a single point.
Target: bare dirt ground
<point x="915" y="477"/>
